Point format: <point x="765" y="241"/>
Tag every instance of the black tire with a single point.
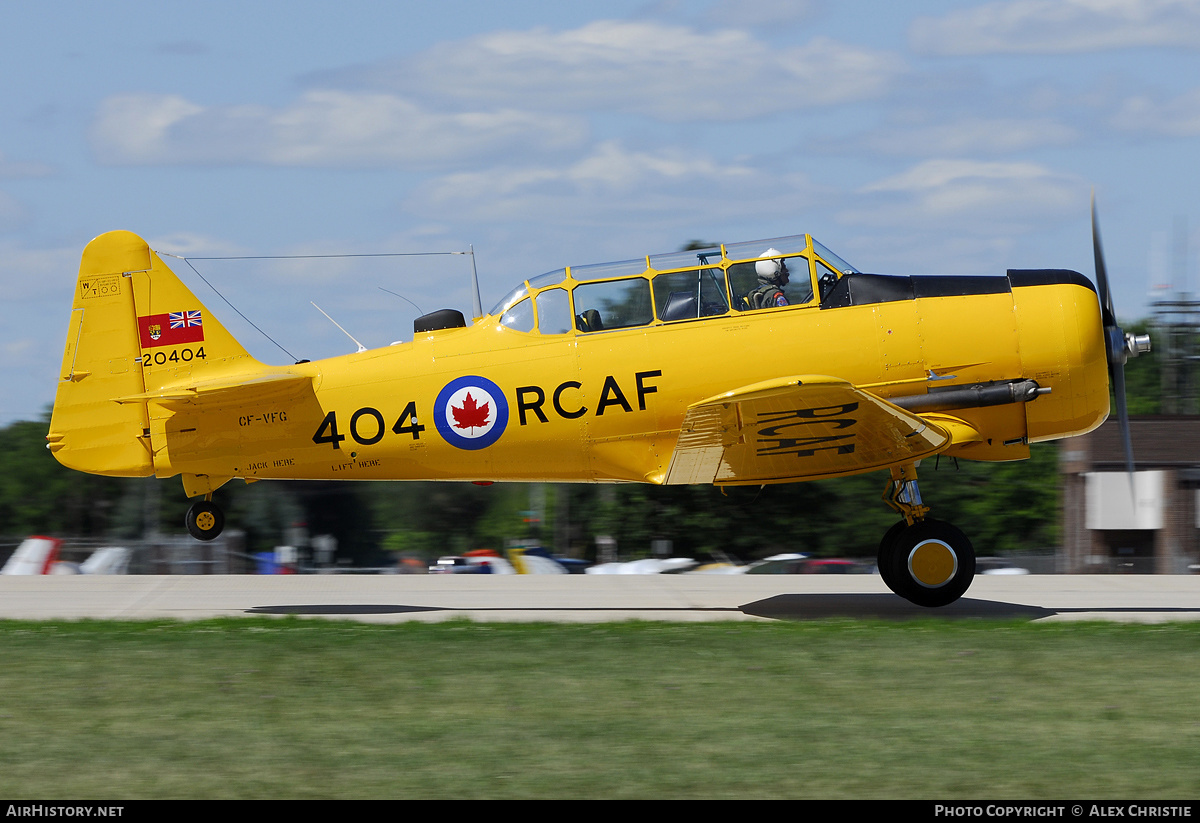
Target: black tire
<point x="883" y="560"/>
<point x="204" y="521"/>
<point x="932" y="563"/>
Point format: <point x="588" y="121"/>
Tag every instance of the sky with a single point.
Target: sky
<point x="927" y="136"/>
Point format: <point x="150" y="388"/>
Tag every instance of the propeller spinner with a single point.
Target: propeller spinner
<point x="1119" y="345"/>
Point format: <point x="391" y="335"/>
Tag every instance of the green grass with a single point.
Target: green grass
<point x="295" y="708"/>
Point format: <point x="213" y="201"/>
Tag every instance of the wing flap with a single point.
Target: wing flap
<point x="803" y="427"/>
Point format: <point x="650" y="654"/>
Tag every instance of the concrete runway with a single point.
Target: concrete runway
<point x="587" y="598"/>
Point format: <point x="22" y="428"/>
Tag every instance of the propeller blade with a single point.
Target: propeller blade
<point x="1106" y="306"/>
<point x="1117" y="371"/>
<point x="1117" y="347"/>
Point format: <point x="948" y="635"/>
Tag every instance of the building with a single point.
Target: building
<point x="1148" y="526"/>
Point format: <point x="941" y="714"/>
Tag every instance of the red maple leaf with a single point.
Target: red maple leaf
<point x="470" y="415"/>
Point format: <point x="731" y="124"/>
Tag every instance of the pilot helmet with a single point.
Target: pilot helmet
<point x="769" y="270"/>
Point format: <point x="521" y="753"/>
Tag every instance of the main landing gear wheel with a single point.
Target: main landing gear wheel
<point x="204" y="521"/>
<point x="931" y="563"/>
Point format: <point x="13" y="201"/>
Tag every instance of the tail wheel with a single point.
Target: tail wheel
<point x="932" y="563"/>
<point x="204" y="521"/>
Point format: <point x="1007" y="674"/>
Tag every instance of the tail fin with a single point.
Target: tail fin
<point x="35" y="555"/>
<point x="135" y="330"/>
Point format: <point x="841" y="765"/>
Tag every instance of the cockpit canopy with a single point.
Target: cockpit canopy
<point x="678" y="286"/>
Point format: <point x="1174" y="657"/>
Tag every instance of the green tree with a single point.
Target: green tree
<point x="39" y="495"/>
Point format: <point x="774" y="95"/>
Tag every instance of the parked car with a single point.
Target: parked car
<point x="776" y="564"/>
<point x="803" y="564"/>
<point x="831" y="566"/>
<point x="453" y="564"/>
<point x="997" y="565"/>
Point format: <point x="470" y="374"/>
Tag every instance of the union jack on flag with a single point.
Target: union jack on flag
<point x="184" y="319"/>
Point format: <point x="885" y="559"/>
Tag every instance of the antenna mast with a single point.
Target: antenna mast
<point x="476" y="307"/>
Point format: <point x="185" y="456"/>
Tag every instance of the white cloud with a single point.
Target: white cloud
<point x="1059" y="27"/>
<point x="970" y="136"/>
<point x="136" y="128"/>
<point x="17" y="350"/>
<point x="613" y="181"/>
<point x="189" y="244"/>
<point x="321" y="129"/>
<point x="1179" y="117"/>
<point x="668" y="72"/>
<point x="618" y="187"/>
<point x="970" y="195"/>
<point x="511" y="94"/>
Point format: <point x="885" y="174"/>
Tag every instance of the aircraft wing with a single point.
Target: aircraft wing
<point x="797" y="428"/>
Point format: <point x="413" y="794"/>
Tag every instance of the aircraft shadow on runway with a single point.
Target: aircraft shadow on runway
<point x="779" y="607"/>
<point x="884" y="607"/>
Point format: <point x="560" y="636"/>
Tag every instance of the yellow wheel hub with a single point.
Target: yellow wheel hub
<point x="932" y="563"/>
<point x="205" y="521"/>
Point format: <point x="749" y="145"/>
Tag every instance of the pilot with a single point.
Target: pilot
<point x="772" y="277"/>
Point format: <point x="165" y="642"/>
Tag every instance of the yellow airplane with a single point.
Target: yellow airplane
<point x="772" y="361"/>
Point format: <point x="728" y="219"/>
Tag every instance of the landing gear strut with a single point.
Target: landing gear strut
<point x="925" y="561"/>
<point x="204" y="520"/>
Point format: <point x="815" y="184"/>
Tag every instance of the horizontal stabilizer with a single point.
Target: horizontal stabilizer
<point x="222" y="390"/>
<point x="797" y="428"/>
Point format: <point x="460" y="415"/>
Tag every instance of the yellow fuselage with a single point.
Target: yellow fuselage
<point x="572" y="405"/>
<point x="608" y="406"/>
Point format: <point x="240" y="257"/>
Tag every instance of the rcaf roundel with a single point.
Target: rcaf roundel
<point x="471" y="412"/>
